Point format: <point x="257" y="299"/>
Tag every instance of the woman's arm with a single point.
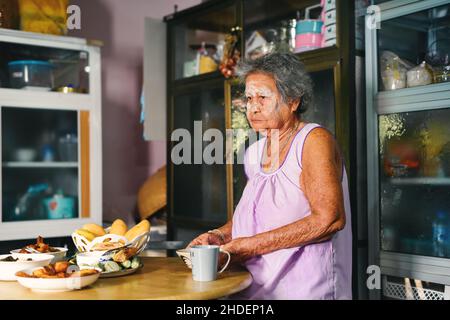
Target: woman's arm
<point x="321" y="183"/>
<point x="215" y="237"/>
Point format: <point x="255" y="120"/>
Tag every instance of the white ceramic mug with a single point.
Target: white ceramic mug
<point x="204" y="260"/>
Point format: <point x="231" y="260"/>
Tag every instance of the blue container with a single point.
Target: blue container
<point x="308" y="26"/>
<point x="60" y="207"/>
<point x="30" y="73"/>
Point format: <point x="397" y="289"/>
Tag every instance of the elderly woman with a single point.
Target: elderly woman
<point x="291" y="228"/>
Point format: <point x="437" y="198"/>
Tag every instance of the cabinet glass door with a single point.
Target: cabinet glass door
<point x="199" y="41"/>
<point x="39" y="68"/>
<point x="45" y="169"/>
<point x="414" y="49"/>
<point x="322" y="110"/>
<point x="288" y="25"/>
<point x="199" y="186"/>
<point x="240" y="141"/>
<point x="415" y="182"/>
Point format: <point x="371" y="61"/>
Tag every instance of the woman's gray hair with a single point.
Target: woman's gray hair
<point x="289" y="73"/>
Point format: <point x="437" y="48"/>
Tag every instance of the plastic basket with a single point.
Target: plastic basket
<point x="84" y="245"/>
<point x="401" y="292"/>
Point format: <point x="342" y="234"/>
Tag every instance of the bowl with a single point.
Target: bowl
<point x="9" y="269"/>
<point x="89" y="260"/>
<point x="185" y="255"/>
<point x="57" y="256"/>
<point x="56" y="284"/>
<point x="25" y="155"/>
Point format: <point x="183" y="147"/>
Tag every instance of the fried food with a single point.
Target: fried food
<point x="23" y="274"/>
<point x="55" y="271"/>
<point x="61" y="266"/>
<point x="83" y="273"/>
<point x="39" y="246"/>
<point x="107" y="246"/>
<point x="125" y="254"/>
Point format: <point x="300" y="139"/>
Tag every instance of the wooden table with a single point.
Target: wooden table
<point x="160" y="278"/>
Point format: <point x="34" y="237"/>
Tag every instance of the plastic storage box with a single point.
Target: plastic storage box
<point x="31" y="74"/>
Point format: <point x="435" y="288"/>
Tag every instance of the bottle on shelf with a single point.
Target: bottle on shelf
<point x="440" y="229"/>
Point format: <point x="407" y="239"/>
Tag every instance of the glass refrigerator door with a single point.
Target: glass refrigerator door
<point x="414" y="49"/>
<point x="45" y="170"/>
<point x="415" y="182"/>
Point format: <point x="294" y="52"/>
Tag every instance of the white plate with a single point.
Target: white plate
<point x="56" y="284"/>
<point x="119" y="273"/>
<point x="8" y="269"/>
<point x="58" y="256"/>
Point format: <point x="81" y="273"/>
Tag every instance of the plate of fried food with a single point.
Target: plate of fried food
<point x="40" y="247"/>
<point x="57" y="277"/>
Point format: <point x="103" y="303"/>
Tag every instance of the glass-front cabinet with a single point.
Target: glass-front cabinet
<point x="199" y="41"/>
<point x="50" y="127"/>
<point x="408" y="101"/>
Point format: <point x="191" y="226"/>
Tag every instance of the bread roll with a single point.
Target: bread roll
<point x="118" y="227"/>
<point x="140" y="228"/>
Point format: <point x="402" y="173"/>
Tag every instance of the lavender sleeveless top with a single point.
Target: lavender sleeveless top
<point x="271" y="200"/>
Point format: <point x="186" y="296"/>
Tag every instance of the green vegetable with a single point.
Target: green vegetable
<point x="126" y="264"/>
<point x="135" y="263"/>
<point x="111" y="266"/>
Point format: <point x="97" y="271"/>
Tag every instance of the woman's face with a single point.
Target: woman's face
<point x="265" y="108"/>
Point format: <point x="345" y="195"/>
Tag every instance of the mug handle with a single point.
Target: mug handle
<point x="226" y="264"/>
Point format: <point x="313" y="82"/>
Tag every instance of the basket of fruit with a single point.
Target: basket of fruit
<point x="92" y="237"/>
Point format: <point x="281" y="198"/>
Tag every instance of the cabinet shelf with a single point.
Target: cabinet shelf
<point x="444" y="181"/>
<point x="49" y="99"/>
<point x="40" y="164"/>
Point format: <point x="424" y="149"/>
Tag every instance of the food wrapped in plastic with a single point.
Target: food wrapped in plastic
<point x="419" y="76"/>
<point x="393" y="70"/>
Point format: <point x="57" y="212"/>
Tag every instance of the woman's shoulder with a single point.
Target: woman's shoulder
<point x="316" y="136"/>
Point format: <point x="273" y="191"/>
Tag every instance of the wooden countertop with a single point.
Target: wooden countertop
<point x="160" y="278"/>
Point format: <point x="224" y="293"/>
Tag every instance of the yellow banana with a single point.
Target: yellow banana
<point x="97" y="230"/>
<point x="86" y="233"/>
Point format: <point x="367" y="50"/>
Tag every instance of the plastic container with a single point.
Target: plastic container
<point x="308" y="26"/>
<point x="68" y="148"/>
<point x="31" y="74"/>
<point x="307" y="41"/>
<point x="60" y="207"/>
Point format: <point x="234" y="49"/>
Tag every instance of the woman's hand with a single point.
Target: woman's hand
<point x="240" y="249"/>
<point x="206" y="239"/>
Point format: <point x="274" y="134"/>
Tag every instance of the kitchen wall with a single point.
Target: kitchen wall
<point x="128" y="160"/>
